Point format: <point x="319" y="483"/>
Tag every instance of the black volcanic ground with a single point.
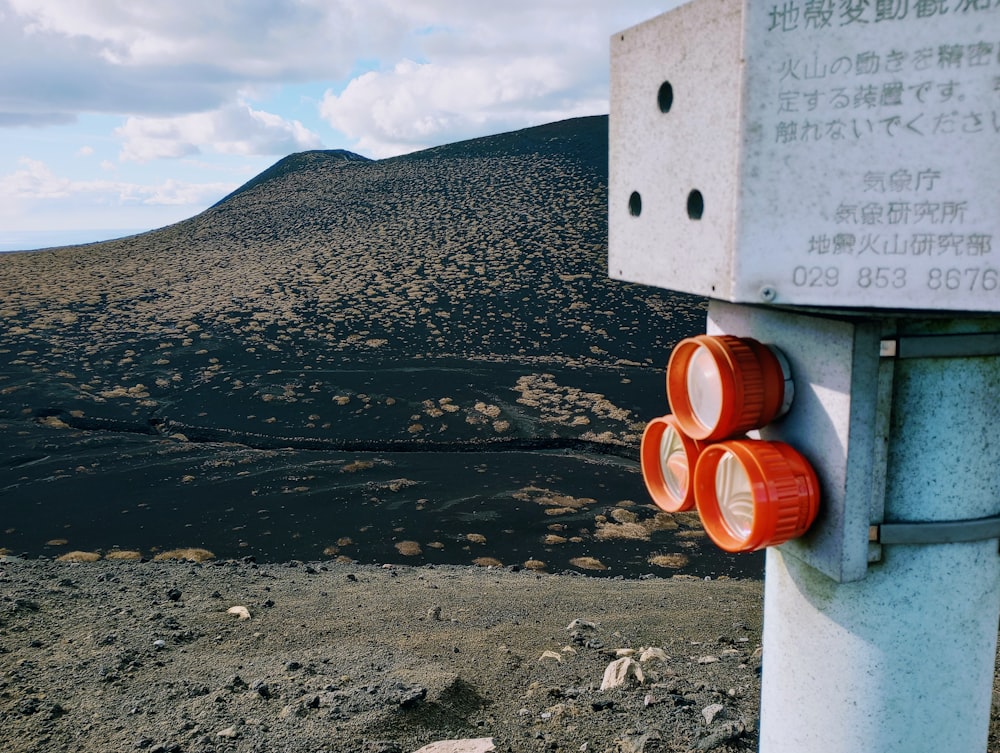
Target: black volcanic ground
<point x="418" y="359"/>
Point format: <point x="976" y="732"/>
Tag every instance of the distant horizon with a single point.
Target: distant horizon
<point x="34" y="240"/>
<point x="15" y="241"/>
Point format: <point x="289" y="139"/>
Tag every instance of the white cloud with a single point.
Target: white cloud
<point x="484" y="68"/>
<point x="176" y="193"/>
<point x="59" y="58"/>
<point x="234" y="129"/>
<point x="34" y="180"/>
<point x="234" y="35"/>
<point x="416" y="105"/>
<point x="84" y="151"/>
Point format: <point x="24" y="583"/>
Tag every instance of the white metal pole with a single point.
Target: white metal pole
<point x="903" y="660"/>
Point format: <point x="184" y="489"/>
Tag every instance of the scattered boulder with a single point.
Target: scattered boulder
<point x="653" y="654"/>
<point x="710" y="712"/>
<point x="407" y="695"/>
<point x="261" y="688"/>
<point x="477" y="745"/>
<point x="620" y="671"/>
<point x="725" y="733"/>
<point x="647" y="742"/>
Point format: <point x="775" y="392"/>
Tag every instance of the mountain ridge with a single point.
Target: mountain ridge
<point x="581" y="133"/>
<point x="293" y="163"/>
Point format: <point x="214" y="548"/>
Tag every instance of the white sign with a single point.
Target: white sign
<point x="856" y="165"/>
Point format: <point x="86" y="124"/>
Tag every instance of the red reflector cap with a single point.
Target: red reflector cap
<point x="752" y="494"/>
<point x="668" y="459"/>
<point x="721" y="386"/>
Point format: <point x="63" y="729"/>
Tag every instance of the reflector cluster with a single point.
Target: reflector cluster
<point x="750" y="493"/>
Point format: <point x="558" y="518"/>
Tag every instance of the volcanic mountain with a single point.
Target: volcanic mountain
<point x="413" y="359"/>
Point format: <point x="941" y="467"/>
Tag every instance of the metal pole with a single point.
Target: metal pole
<point x="902" y="660"/>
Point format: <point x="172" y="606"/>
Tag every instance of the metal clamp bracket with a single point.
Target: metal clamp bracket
<point x="936" y="532"/>
<point x="941" y="346"/>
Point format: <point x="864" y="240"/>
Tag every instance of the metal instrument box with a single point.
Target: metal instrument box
<point x="816" y="153"/>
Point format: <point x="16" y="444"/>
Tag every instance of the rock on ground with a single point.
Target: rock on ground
<point x="145" y="656"/>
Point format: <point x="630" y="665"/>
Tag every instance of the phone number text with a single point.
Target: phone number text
<point x="969" y="279"/>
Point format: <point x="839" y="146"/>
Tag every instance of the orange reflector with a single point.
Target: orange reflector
<point x="722" y="386"/>
<point x="668" y="460"/>
<point x="752" y="494"/>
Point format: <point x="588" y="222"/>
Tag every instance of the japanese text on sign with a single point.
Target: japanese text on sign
<point x="889" y="93"/>
<point x="796" y="15"/>
<point x="876" y="219"/>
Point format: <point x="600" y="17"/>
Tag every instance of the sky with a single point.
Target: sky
<point x="118" y="116"/>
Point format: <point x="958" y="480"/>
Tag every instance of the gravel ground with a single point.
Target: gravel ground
<point x="152" y="656"/>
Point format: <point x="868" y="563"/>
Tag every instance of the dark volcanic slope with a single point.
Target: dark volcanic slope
<point x="451" y="300"/>
<point x="297" y="162"/>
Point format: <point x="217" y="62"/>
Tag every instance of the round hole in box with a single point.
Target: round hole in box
<point x="635" y="204"/>
<point x="695" y="205"/>
<point x="665" y="96"/>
